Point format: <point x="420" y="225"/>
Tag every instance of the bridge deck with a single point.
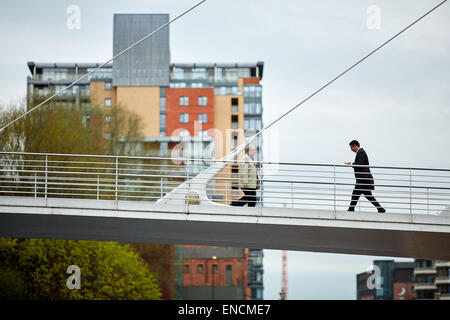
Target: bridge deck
<point x="426" y="236"/>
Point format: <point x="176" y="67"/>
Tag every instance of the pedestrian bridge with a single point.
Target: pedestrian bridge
<point x="300" y="206"/>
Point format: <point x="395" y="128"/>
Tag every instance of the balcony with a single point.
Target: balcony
<point x="441" y="264"/>
<point x="444" y="296"/>
<point x="425" y="286"/>
<point x="424" y="271"/>
<point x="443" y="280"/>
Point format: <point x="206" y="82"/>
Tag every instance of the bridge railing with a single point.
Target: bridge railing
<point x="282" y="184"/>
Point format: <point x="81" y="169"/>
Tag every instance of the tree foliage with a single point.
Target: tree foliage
<point x="109" y="270"/>
<point x="70" y="129"/>
<point x="36" y="269"/>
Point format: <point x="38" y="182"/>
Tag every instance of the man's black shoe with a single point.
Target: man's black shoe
<point x="381" y="210"/>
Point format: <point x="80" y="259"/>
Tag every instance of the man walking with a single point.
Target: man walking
<point x="248" y="177"/>
<point x="364" y="179"/>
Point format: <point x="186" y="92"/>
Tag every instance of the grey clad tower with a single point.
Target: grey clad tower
<point x="147" y="64"/>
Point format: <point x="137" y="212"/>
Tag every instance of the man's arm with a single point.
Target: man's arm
<point x="357" y="161"/>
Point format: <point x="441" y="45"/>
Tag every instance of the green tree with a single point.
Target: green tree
<point x="161" y="258"/>
<point x="70" y="128"/>
<point x="41" y="264"/>
<point x="109" y="270"/>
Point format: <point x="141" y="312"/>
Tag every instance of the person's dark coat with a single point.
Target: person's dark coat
<point x="364" y="178"/>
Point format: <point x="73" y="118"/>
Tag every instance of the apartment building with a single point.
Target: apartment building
<point x="432" y="279"/>
<point x="201" y="109"/>
<point x="395" y="281"/>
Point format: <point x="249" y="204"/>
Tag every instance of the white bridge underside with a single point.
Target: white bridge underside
<point x="361" y="233"/>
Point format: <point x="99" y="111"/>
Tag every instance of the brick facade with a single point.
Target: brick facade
<point x="173" y="109"/>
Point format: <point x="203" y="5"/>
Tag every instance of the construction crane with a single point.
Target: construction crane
<point x="283" y="292"/>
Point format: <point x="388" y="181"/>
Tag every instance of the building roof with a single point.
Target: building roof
<point x="192" y="252"/>
<point x="32" y="64"/>
<point x="217" y="64"/>
<point x="260" y="64"/>
<point x="405" y="265"/>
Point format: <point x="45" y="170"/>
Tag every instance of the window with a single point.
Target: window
<point x="258" y="108"/>
<point x="199" y="268"/>
<point x="107" y="85"/>
<point x="186" y="268"/>
<point x="184" y="117"/>
<point x="234" y="172"/>
<point x="107" y="135"/>
<point x="162" y="104"/>
<point x="184" y="101"/>
<point x="425" y="295"/>
<point x="177" y="85"/>
<point x="107" y="119"/>
<point x="218" y="73"/>
<point x="227" y="91"/>
<point x="108" y="102"/>
<point x="234" y="137"/>
<point x="54" y="74"/>
<point x="234" y="105"/>
<point x="214" y="268"/>
<point x="202" y="101"/>
<point x="234" y="189"/>
<point x="203" y="117"/>
<point x="253" y="108"/>
<point x="178" y="73"/>
<point x="252" y="91"/>
<point x="229" y="275"/>
<point x="234" y="122"/>
<point x="253" y="124"/>
<point x="259" y="276"/>
<point x="380" y="292"/>
<point x="198" y="73"/>
<point x="258" y="91"/>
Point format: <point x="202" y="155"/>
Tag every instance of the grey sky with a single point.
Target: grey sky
<point x="395" y="103"/>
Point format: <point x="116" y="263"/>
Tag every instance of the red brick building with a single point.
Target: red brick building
<point x="215" y="273"/>
<point x="184" y="106"/>
<point x="404" y="291"/>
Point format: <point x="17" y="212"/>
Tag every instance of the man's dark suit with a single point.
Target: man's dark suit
<point x="364" y="178"/>
<point x="364" y="181"/>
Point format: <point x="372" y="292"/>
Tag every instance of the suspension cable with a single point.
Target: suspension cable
<point x="102" y="65"/>
<point x="237" y="149"/>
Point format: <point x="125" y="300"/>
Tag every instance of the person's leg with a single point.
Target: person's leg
<point x="242" y="201"/>
<point x="355" y="196"/>
<point x="252" y="198"/>
<point x="371" y="198"/>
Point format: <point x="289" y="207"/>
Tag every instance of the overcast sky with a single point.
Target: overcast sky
<point x="396" y="103"/>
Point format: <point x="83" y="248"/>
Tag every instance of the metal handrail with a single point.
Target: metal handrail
<point x="230" y="162"/>
<point x="298" y="185"/>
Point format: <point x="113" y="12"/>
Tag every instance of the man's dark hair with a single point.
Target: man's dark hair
<point x="354" y="143"/>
